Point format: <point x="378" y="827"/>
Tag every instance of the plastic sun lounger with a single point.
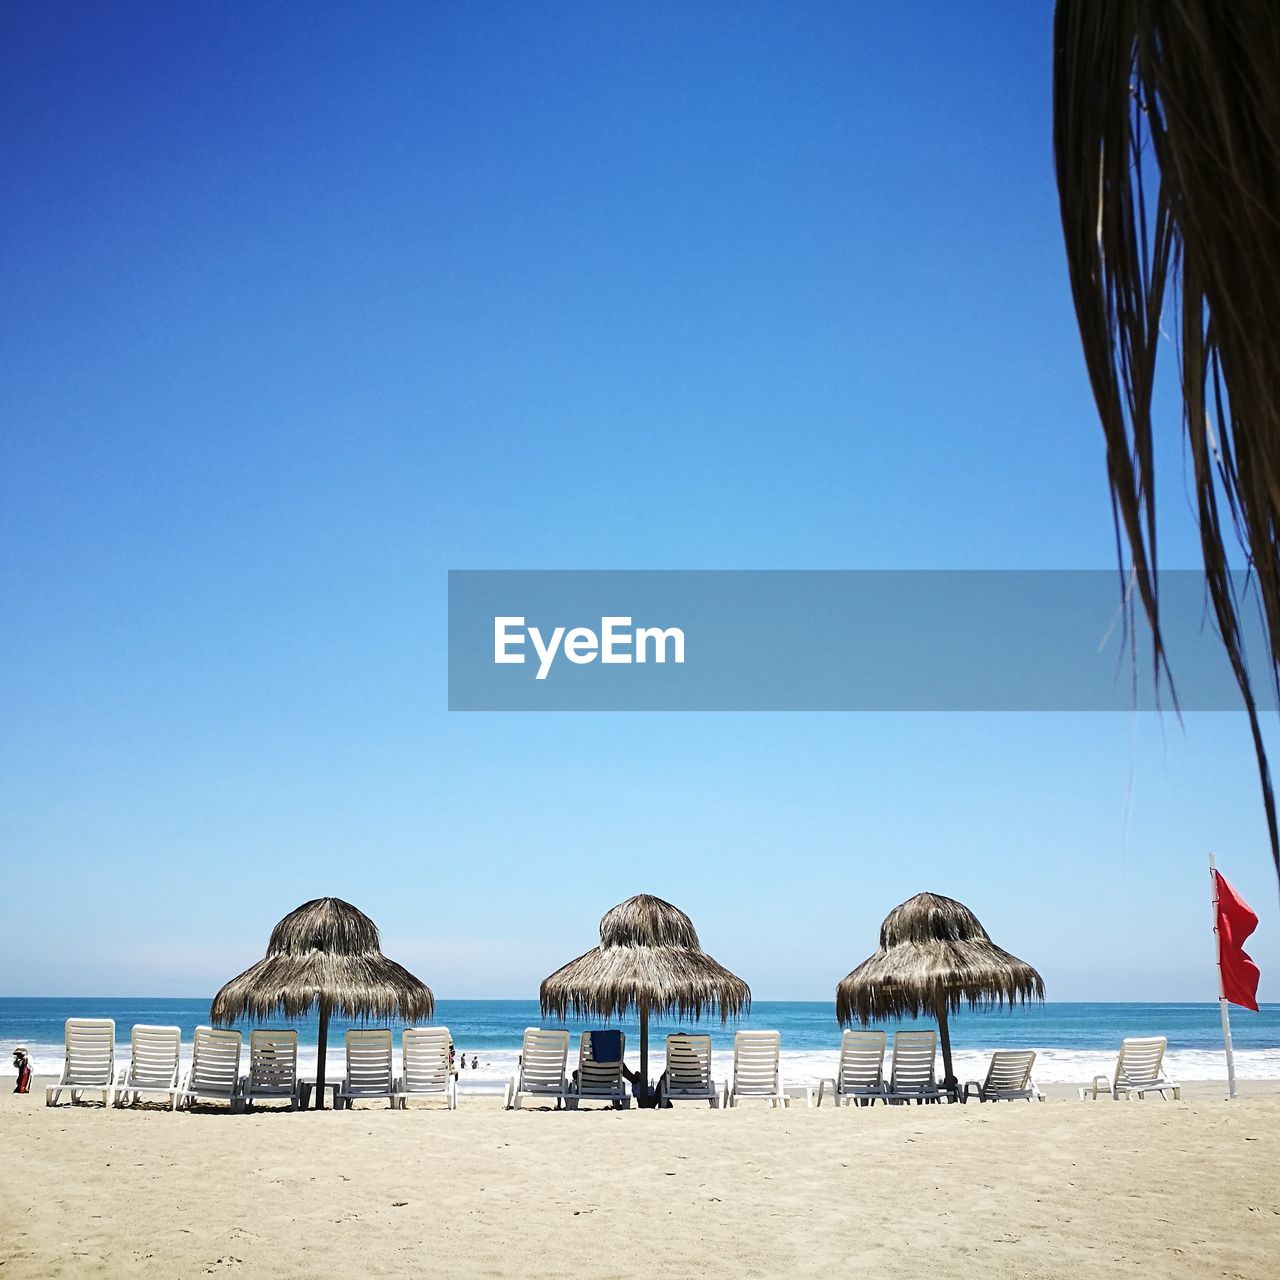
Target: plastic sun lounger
<point x="1139" y="1070"/>
<point x="273" y="1068"/>
<point x="756" y="1057"/>
<point x="688" y="1074"/>
<point x="424" y="1056"/>
<point x="543" y="1055"/>
<point x="215" y="1069"/>
<point x="1008" y="1079"/>
<point x="599" y="1079"/>
<point x="90" y="1063"/>
<point x="369" y="1073"/>
<point x="911" y="1076"/>
<point x="860" y="1075"/>
<point x="153" y="1066"/>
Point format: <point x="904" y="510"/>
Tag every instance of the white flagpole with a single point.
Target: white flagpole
<point x="1222" y="995"/>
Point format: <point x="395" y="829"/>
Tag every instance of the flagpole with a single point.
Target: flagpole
<point x="1222" y="992"/>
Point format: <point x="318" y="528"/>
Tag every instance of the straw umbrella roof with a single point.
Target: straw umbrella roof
<point x="649" y="958"/>
<point x="934" y="956"/>
<point x="325" y="951"/>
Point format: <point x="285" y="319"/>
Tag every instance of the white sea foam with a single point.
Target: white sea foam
<point x="1053" y="1065"/>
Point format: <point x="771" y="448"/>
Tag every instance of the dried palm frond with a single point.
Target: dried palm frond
<point x="1167" y="146"/>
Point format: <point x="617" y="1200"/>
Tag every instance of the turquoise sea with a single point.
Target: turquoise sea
<point x="1073" y="1040"/>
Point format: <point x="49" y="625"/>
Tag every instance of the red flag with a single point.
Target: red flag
<point x="1236" y="921"/>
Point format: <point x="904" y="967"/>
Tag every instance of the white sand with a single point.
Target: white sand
<point x="1012" y="1190"/>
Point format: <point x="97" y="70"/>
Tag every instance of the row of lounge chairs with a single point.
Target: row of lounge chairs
<point x="860" y="1077"/>
<point x="214" y="1075"/>
<point x="601" y="1076"/>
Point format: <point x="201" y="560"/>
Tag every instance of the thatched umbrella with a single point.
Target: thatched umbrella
<point x="324" y="955"/>
<point x="934" y="956"/>
<point x="649" y="959"/>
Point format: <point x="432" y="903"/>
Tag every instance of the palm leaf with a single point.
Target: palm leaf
<point x="1167" y="146"/>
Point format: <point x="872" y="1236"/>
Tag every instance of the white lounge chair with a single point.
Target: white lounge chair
<point x="542" y="1062"/>
<point x="273" y="1068"/>
<point x="369" y="1073"/>
<point x="1139" y="1070"/>
<point x="600" y="1079"/>
<point x="424" y="1056"/>
<point x="688" y="1074"/>
<point x="860" y="1075"/>
<point x="215" y="1069"/>
<point x="756" y="1072"/>
<point x="911" y="1075"/>
<point x="90" y="1062"/>
<point x="153" y="1066"/>
<point x="1008" y="1079"/>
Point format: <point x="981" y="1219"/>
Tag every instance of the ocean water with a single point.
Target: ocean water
<point x="1073" y="1041"/>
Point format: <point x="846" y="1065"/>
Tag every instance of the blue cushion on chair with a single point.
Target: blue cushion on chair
<point x="606" y="1046"/>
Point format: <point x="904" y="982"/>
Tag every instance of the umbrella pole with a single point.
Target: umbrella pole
<point x="944" y="1034"/>
<point x="643" y="1099"/>
<point x="317" y="1103"/>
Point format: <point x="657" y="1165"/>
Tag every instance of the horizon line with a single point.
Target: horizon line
<point x="1007" y="1007"/>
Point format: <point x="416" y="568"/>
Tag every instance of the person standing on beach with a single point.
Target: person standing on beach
<point x="23" y="1063"/>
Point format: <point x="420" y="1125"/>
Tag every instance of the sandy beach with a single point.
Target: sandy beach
<point x="1017" y="1190"/>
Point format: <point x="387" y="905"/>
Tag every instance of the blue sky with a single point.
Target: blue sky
<point x="307" y="305"/>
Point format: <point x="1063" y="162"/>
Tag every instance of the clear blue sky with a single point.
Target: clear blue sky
<point x="306" y="304"/>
